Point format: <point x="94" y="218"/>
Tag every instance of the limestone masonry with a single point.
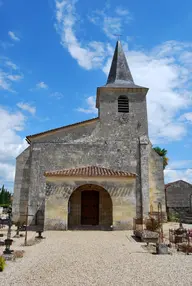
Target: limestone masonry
<point x="122" y="175"/>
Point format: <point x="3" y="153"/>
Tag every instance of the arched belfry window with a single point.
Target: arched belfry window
<point x="123" y="104"/>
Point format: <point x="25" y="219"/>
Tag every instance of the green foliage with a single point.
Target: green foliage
<point x="162" y="153"/>
<point x="2" y="263"/>
<point x="174" y="217"/>
<point x="5" y="197"/>
<point x="4" y="205"/>
<point x="152" y="224"/>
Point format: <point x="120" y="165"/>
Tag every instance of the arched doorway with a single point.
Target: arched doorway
<point x="90" y="206"/>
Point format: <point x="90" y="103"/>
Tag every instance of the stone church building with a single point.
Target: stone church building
<point x="97" y="173"/>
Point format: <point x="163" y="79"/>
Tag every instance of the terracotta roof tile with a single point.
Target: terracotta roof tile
<point x="89" y="171"/>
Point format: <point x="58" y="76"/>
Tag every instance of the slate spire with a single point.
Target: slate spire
<point x="120" y="74"/>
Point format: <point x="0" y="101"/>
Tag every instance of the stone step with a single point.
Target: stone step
<point x="90" y="227"/>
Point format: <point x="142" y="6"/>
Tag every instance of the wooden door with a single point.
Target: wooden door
<point x="90" y="208"/>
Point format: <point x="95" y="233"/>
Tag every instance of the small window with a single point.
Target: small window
<point x="123" y="104"/>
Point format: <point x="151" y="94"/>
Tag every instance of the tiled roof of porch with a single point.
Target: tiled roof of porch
<point x="90" y="171"/>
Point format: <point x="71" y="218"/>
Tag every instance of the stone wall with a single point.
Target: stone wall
<point x="112" y="141"/>
<point x="144" y="175"/>
<point x="122" y="194"/>
<point x="178" y="194"/>
<point x="178" y="197"/>
<point x="21" y="186"/>
<point x="72" y="133"/>
<point x="156" y="182"/>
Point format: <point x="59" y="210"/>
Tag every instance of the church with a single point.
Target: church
<point x="100" y="173"/>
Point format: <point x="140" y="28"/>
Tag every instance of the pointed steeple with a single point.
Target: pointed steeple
<point x="120" y="74"/>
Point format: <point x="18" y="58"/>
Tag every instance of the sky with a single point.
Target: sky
<point x="55" y="53"/>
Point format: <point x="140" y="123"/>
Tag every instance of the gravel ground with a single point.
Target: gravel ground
<point x="94" y="258"/>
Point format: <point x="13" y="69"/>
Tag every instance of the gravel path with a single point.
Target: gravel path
<point x="94" y="258"/>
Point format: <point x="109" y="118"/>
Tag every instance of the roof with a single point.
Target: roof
<point x="172" y="183"/>
<point x="89" y="171"/>
<point x="120" y="74"/>
<point x="29" y="137"/>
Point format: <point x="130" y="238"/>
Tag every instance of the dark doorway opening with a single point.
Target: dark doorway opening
<point x="89" y="207"/>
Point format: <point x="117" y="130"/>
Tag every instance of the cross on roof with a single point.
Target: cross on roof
<point x="117" y="35"/>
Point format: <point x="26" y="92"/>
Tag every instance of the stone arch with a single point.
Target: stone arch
<point x="76" y="207"/>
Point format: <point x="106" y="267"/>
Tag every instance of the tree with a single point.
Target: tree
<point x="162" y="153"/>
<point x="5" y="196"/>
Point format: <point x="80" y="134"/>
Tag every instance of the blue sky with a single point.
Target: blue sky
<point x="54" y="54"/>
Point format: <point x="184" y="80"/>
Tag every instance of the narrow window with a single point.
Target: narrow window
<point x="123" y="104"/>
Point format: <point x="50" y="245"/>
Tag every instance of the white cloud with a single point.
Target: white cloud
<point x="4" y="83"/>
<point x="179" y="164"/>
<point x="6" y="45"/>
<point x="166" y="78"/>
<point x="91" y="109"/>
<point x="178" y="170"/>
<point x="6" y="80"/>
<point x="88" y="57"/>
<point x="42" y="85"/>
<point x="11" y="144"/>
<point x="13" y="36"/>
<point x="27" y="107"/>
<point x="57" y="95"/>
<point x="174" y="175"/>
<point x="111" y="25"/>
<point x="7" y="172"/>
<point x="122" y="11"/>
<point x="11" y="65"/>
<point x="186" y="116"/>
<point x="165" y="69"/>
<point x="186" y="57"/>
<point x="7" y="68"/>
<point x="15" y="77"/>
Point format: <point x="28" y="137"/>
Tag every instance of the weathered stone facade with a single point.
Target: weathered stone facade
<point x="178" y="198"/>
<point x="114" y="140"/>
<point x="156" y="182"/>
<point x="122" y="195"/>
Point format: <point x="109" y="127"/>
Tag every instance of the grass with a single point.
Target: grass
<point x="2" y="263"/>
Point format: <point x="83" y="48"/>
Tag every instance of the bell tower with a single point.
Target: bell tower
<point x="124" y="125"/>
<point x="121" y="101"/>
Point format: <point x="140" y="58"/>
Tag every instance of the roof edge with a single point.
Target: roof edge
<point x="29" y="137"/>
<point x="46" y="174"/>
<point x="70" y="172"/>
<point x="124" y="87"/>
<point x="171" y="183"/>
